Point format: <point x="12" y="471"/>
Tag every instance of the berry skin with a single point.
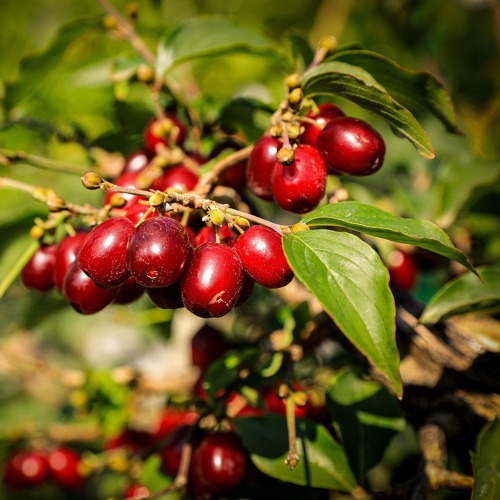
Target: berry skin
<point x="126" y="180"/>
<point x="177" y="178"/>
<point x="83" y="293"/>
<point x="157" y="251"/>
<point x="103" y="254"/>
<point x="26" y="469"/>
<point x="402" y="270"/>
<point x="136" y="162"/>
<point x="207" y="345"/>
<point x="276" y="404"/>
<point x="129" y="292"/>
<point x="262" y="257"/>
<point x="218" y="464"/>
<point x="63" y="466"/>
<point x="38" y="273"/>
<point x="167" y="297"/>
<point x="137" y="212"/>
<point x="212" y="280"/>
<point x="299" y="187"/>
<point x="170" y="455"/>
<point x="207" y="233"/>
<point x="159" y="133"/>
<point x="326" y="112"/>
<point x="66" y="253"/>
<point x="136" y="491"/>
<point x="260" y="167"/>
<point x="351" y="146"/>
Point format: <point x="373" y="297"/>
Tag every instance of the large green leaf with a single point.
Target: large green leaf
<point x="359" y="86"/>
<point x="465" y="294"/>
<point x="376" y="222"/>
<point x="211" y="36"/>
<point x="34" y="68"/>
<point x="368" y="418"/>
<point x="486" y="462"/>
<point x="349" y="279"/>
<point x="323" y="462"/>
<point x="415" y="88"/>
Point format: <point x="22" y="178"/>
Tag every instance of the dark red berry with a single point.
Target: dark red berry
<point x="157" y="251"/>
<point x="402" y="269"/>
<point x="177" y="178"/>
<point x="171" y="454"/>
<point x="262" y="257"/>
<point x="26" y="469"/>
<point x="207" y="345"/>
<point x="351" y="146"/>
<point x="136" y="162"/>
<point x="171" y="131"/>
<point x="248" y="281"/>
<point x="299" y="187"/>
<point x="278" y="405"/>
<point x="235" y="175"/>
<point x="103" y="254"/>
<point x="260" y="167"/>
<point x="136" y="492"/>
<point x="207" y="234"/>
<point x="325" y="113"/>
<point x="66" y="253"/>
<point x="172" y="419"/>
<point x="126" y="180"/>
<point x="63" y="466"/>
<point x="212" y="280"/>
<point x="129" y="292"/>
<point x="138" y="212"/>
<point x="218" y="464"/>
<point x="38" y="273"/>
<point x="83" y="293"/>
<point x="166" y="297"/>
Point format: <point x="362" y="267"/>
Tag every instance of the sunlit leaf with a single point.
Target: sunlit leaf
<point x="486" y="463"/>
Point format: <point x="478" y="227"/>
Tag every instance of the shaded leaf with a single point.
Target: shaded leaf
<point x="415" y="88"/>
<point x="376" y="222"/>
<point x="323" y="463"/>
<point x="465" y="294"/>
<point x="211" y="36"/>
<point x="368" y="418"/>
<point x="350" y="281"/>
<point x="357" y="85"/>
<point x="486" y="463"/>
<point x="34" y="68"/>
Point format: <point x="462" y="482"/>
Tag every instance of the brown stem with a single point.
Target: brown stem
<point x="20" y="186"/>
<point x="293" y="458"/>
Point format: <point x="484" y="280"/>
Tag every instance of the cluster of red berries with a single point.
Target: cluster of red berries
<point x="327" y="143"/>
<point x="30" y="468"/>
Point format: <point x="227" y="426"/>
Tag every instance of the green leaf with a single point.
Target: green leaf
<point x="376" y="222"/>
<point x="323" y="462"/>
<point x="211" y="36"/>
<point x="414" y="88"/>
<point x="152" y="477"/>
<point x="368" y="418"/>
<point x="34" y="68"/>
<point x="486" y="463"/>
<point x="465" y="294"/>
<point x="357" y="85"/>
<point x="350" y="281"/>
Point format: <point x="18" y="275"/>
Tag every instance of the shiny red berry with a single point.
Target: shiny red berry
<point x="351" y="146"/>
<point x="138" y="213"/>
<point x="212" y="280"/>
<point x="207" y="233"/>
<point x="402" y="269"/>
<point x="136" y="162"/>
<point x="126" y="180"/>
<point x="169" y="131"/>
<point x="207" y="345"/>
<point x="157" y="251"/>
<point x="300" y="186"/>
<point x="66" y="253"/>
<point x="103" y="254"/>
<point x="26" y="469"/>
<point x="136" y="492"/>
<point x="63" y="467"/>
<point x="38" y="273"/>
<point x="261" y="253"/>
<point x="325" y="112"/>
<point x="260" y="167"/>
<point x="177" y="178"/>
<point x="171" y="454"/>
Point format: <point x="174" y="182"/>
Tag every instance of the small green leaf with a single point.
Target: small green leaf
<point x="465" y="294"/>
<point x="486" y="463"/>
<point x="357" y="85"/>
<point x="212" y="36"/>
<point x="323" y="463"/>
<point x="376" y="222"/>
<point x="350" y="281"/>
<point x="34" y="68"/>
<point x="415" y="88"/>
<point x="368" y="418"/>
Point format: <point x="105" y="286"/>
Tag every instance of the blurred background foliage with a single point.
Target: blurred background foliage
<point x="71" y="106"/>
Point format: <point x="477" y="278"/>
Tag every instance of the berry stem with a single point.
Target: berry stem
<point x="293" y="458"/>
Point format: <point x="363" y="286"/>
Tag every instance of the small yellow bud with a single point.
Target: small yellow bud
<point x="37" y="232"/>
<point x="117" y="200"/>
<point x="241" y="221"/>
<point x="300" y="226"/>
<point x="217" y="217"/>
<point x="276" y="131"/>
<point x="156" y="200"/>
<point x="285" y="156"/>
<point x="92" y="181"/>
<point x="109" y="22"/>
<point x="145" y="73"/>
<point x="295" y="97"/>
<point x="300" y="398"/>
<point x="293" y="131"/>
<point x="328" y="44"/>
<point x="293" y="81"/>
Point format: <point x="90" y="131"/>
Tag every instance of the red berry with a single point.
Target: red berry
<point x="299" y="187"/>
<point x="262" y="257"/>
<point x="38" y="273"/>
<point x="103" y="254"/>
<point x="351" y="146"/>
<point x="136" y="162"/>
<point x="167" y="297"/>
<point x="26" y="469"/>
<point x="260" y="167"/>
<point x="207" y="233"/>
<point x="83" y="293"/>
<point x="212" y="280"/>
<point x="278" y="405"/>
<point x="66" y="253"/>
<point x="402" y="270"/>
<point x="63" y="466"/>
<point x="207" y="345"/>
<point x="177" y="178"/>
<point x="137" y="212"/>
<point x="126" y="180"/>
<point x="157" y="251"/>
<point x="129" y="292"/>
<point x="170" y="455"/>
<point x="162" y="133"/>
<point x="171" y="419"/>
<point x="326" y="112"/>
<point x="218" y="464"/>
<point x="136" y="491"/>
